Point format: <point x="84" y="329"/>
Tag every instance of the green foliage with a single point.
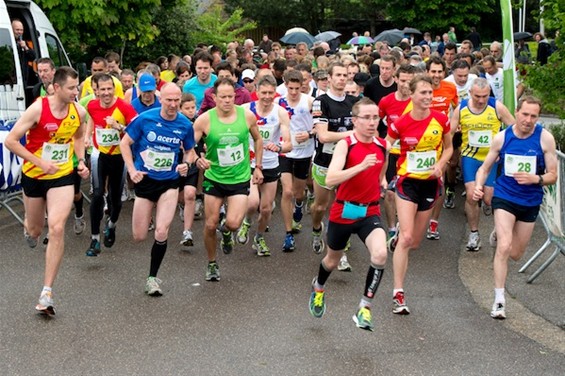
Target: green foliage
<point x="101" y="24"/>
<point x="545" y="80"/>
<point x="438" y="15"/>
<point x="558" y="132"/>
<point x="214" y="27"/>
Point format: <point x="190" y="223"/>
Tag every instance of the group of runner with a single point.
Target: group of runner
<point x="396" y="143"/>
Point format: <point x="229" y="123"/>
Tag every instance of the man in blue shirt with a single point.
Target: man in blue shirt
<point x="203" y="80"/>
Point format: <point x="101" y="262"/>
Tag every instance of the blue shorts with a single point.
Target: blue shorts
<point x="470" y="166"/>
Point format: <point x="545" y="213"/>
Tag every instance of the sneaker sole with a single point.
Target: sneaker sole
<point x="260" y="254"/>
<point x="401" y="311"/>
<point x="154" y="293"/>
<point x="364" y="327"/>
<point x="498" y="316"/>
<point x="47" y="311"/>
<point x="344" y="269"/>
<point x="213" y="279"/>
<point x="186" y="243"/>
<point x="432" y="237"/>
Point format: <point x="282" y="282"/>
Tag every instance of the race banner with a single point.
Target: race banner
<point x="509" y="68"/>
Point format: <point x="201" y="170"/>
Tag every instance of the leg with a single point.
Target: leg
<point x="141" y="217"/>
<point x="212" y="216"/>
<point x="286" y="200"/>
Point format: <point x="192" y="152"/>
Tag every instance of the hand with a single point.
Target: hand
<point x="272" y="147"/>
<point x="203" y="163"/>
<point x="369" y="161"/>
<point x="301" y="137"/>
<point x="22" y="44"/>
<point x="182" y="169"/>
<point x="478" y="193"/>
<point x="524" y="178"/>
<point x="257" y="177"/>
<point x="82" y="170"/>
<point x="437" y="171"/>
<point x="136" y="176"/>
<point x="49" y="167"/>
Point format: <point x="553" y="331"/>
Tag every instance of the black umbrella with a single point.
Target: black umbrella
<point x="522" y="35"/>
<point x="411" y="30"/>
<point x="392" y="36"/>
<point x="294" y="38"/>
<point x="326" y="36"/>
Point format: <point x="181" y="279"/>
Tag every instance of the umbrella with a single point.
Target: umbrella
<point x="296" y="30"/>
<point x="392" y="36"/>
<point x="326" y="36"/>
<point x="411" y="30"/>
<point x="521" y="35"/>
<point x="297" y="37"/>
<point x="361" y="40"/>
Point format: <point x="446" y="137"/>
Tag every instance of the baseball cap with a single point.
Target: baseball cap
<point x="361" y="78"/>
<point x="248" y="73"/>
<point x="147" y="82"/>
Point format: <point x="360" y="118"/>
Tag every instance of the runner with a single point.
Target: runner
<point x="479" y="119"/>
<point x="228" y="170"/>
<point x="295" y="165"/>
<point x="525" y="152"/>
<point x="149" y="148"/>
<point x="425" y="148"/>
<point x="55" y="133"/>
<point x="273" y="123"/>
<point x="109" y="116"/>
<point x="358" y="166"/>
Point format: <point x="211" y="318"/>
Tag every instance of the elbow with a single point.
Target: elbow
<point x="331" y="180"/>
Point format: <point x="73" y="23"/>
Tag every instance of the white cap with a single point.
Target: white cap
<point x="248" y="73"/>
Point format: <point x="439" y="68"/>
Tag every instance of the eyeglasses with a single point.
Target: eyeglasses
<point x="368" y="117"/>
<point x="248" y="81"/>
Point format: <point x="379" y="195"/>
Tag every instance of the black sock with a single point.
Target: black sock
<point x="78" y="207"/>
<point x="289" y="232"/>
<point x="374" y="276"/>
<point x="323" y="274"/>
<point x="157" y="253"/>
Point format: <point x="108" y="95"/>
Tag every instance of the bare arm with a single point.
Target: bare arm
<point x="325" y="136"/>
<point x="485" y="168"/>
<point x="79" y="144"/>
<point x="504" y="114"/>
<point x="258" y="142"/>
<point x="455" y="121"/>
<point x="286" y="145"/>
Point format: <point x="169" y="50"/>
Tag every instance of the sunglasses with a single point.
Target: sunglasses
<point x="247" y="81"/>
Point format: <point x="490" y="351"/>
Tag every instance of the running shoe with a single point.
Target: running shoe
<point x="124" y="197"/>
<point x="260" y="246"/>
<point x="363" y="319"/>
<point x="309" y="201"/>
<point x="46" y="240"/>
<point x="474" y="242"/>
<point x="297" y="214"/>
<point x="498" y="311"/>
<point x="30" y="240"/>
<point x="109" y="235"/>
<point x="344" y="265"/>
<point x="94" y="248"/>
<point x="296" y="227"/>
<point x="152" y="287"/>
<point x="392" y="240"/>
<point x="187" y="238"/>
<point x="289" y="244"/>
<point x="433" y="233"/>
<point x="487" y="209"/>
<point x="45" y="303"/>
<point x="227" y="242"/>
<point x="492" y="239"/>
<point x="243" y="232"/>
<point x="317" y="302"/>
<point x="317" y="241"/>
<point x="79" y="225"/>
<point x="449" y="202"/>
<point x="181" y="212"/>
<point x="213" y="272"/>
<point x="399" y="305"/>
<point x="198" y="208"/>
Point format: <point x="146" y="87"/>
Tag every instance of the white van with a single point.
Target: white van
<point x="15" y="96"/>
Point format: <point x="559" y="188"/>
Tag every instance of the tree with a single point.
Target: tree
<point x="100" y="25"/>
<point x="214" y="27"/>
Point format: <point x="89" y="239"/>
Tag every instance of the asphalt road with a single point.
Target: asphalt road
<point x="256" y="320"/>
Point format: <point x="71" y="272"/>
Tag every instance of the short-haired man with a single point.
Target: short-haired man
<point x="204" y="78"/>
<point x="55" y="131"/>
<point x="466" y="47"/>
<point x="379" y="87"/>
<point x="227" y="167"/>
<point x="99" y="65"/>
<point x="358" y="166"/>
<point x="301" y="49"/>
<point x="127" y="78"/>
<point x="225" y="70"/>
<point x="150" y="148"/>
<point x="114" y="61"/>
<point x="479" y="119"/>
<point x="525" y="152"/>
<point x="46" y="72"/>
<point x="147" y="98"/>
<point x="273" y="123"/>
<point x="449" y="55"/>
<point x="109" y="116"/>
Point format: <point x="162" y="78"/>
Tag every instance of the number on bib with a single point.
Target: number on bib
<point x="480" y="139"/>
<point x="519" y="163"/>
<point x="58" y="153"/>
<point x="418" y="162"/>
<point x="230" y="156"/>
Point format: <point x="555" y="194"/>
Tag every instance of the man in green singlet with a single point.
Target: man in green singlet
<point x="227" y="166"/>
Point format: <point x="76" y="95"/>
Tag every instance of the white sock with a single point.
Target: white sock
<point x="46" y="289"/>
<point x="499" y="296"/>
<point x="395" y="291"/>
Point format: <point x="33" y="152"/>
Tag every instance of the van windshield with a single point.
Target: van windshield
<point x="7" y="64"/>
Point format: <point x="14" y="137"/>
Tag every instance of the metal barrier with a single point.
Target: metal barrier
<point x="553" y="219"/>
<point x="10" y="175"/>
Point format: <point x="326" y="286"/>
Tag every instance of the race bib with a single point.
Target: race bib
<point x="57" y="153"/>
<point x="266" y="132"/>
<point x="519" y="163"/>
<point x="159" y="161"/>
<point x="328" y="148"/>
<point x="230" y="155"/>
<point x="420" y="161"/>
<point x="480" y="139"/>
<point x="107" y="137"/>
